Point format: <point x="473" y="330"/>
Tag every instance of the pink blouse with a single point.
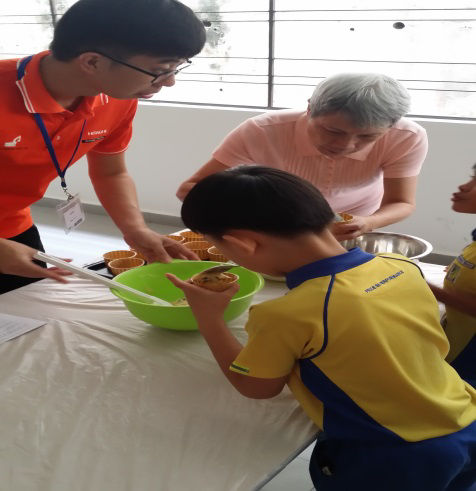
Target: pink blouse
<point x="353" y="183"/>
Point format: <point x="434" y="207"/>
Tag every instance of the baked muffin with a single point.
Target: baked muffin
<point x="216" y="282"/>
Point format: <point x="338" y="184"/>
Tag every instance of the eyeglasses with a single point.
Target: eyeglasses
<point x="155" y="76"/>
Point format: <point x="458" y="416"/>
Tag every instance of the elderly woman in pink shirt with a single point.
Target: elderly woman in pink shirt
<point x="352" y="143"/>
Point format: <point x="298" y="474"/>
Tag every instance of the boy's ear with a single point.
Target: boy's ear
<point x="245" y="243"/>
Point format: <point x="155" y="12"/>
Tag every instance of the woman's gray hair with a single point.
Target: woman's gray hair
<point x="370" y="100"/>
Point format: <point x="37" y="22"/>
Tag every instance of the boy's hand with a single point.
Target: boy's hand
<point x="205" y="304"/>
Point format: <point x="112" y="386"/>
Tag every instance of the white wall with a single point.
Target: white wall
<point x="171" y="142"/>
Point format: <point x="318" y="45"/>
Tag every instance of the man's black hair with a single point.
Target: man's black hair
<point x="124" y="28"/>
<point x="256" y="198"/>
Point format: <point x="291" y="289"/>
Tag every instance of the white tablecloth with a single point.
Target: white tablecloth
<point x="97" y="400"/>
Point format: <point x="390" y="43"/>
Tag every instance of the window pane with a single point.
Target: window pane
<point x="24" y="7"/>
<point x="26" y="27"/>
<point x="232" y="81"/>
<point x="232" y="68"/>
<point x="410" y="45"/>
<point x="282" y="5"/>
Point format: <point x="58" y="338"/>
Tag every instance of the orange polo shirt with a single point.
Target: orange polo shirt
<point x="26" y="168"/>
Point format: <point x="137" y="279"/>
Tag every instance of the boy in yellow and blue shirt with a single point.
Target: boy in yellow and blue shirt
<point x="357" y="338"/>
<point x="459" y="293"/>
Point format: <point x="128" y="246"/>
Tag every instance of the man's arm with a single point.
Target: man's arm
<point x="463" y="301"/>
<point x="398" y="202"/>
<point x="117" y="193"/>
<point x="211" y="167"/>
<point x="116" y="190"/>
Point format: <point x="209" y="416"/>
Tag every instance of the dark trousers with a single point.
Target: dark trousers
<point x="31" y="238"/>
<point x="445" y="463"/>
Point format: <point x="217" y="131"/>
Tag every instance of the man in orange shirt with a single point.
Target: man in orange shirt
<point x="80" y="99"/>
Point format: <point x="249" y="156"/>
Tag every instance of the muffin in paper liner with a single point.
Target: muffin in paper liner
<point x="111" y="255"/>
<point x="214" y="282"/>
<point x="215" y="255"/>
<point x="117" y="266"/>
<point x="199" y="247"/>
<point x="140" y="256"/>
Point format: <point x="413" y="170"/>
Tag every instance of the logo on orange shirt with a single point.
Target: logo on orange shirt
<point x="13" y="143"/>
<point x="96" y="135"/>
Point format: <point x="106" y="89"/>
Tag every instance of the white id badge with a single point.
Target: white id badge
<point x="71" y="213"/>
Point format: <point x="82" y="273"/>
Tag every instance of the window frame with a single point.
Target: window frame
<point x="270" y="62"/>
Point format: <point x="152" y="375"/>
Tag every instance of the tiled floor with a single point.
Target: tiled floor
<point x="85" y="245"/>
<point x="295" y="476"/>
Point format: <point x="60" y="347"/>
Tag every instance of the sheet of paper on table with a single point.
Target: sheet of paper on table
<point x="12" y="326"/>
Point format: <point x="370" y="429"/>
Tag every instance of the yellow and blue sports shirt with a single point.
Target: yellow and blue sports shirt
<point x="360" y="337"/>
<point x="460" y="327"/>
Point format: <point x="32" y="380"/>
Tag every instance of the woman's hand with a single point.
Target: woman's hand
<point x="349" y="230"/>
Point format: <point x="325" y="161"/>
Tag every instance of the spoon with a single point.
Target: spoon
<point x="85" y="273"/>
<point x="221" y="268"/>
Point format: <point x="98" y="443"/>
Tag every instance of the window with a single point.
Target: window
<point x="428" y="50"/>
<point x="272" y="53"/>
<point x="26" y="27"/>
<point x="233" y="67"/>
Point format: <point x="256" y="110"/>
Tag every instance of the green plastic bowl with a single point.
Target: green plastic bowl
<point x="151" y="279"/>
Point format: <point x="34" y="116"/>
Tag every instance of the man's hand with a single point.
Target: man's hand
<point x="17" y="259"/>
<point x="206" y="305"/>
<point x="349" y="230"/>
<point x="155" y="247"/>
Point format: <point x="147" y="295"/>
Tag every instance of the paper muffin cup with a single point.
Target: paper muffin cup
<point x="117" y="266"/>
<point x="188" y="235"/>
<point x="177" y="238"/>
<point x="140" y="256"/>
<point x="216" y="286"/>
<point x="111" y="255"/>
<point x="215" y="255"/>
<point x="199" y="247"/>
<point x="346" y="217"/>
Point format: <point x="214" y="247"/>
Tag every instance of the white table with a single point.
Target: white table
<point x="97" y="400"/>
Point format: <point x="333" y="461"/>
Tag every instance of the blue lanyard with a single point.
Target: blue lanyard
<point x="46" y="137"/>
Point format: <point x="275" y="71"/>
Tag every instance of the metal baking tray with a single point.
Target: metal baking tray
<point x="99" y="267"/>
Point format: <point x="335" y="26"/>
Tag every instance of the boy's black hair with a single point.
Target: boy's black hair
<point x="124" y="28"/>
<point x="255" y="198"/>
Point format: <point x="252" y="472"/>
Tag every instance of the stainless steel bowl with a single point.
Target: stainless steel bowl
<point x="377" y="242"/>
